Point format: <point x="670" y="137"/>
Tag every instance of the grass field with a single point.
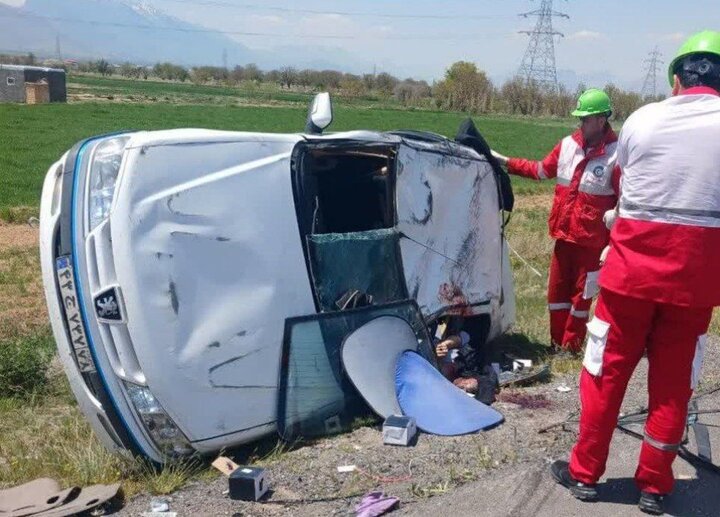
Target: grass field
<point x="33" y="137"/>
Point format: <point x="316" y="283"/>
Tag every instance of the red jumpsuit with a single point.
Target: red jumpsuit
<point x="659" y="284"/>
<point x="587" y="186"/>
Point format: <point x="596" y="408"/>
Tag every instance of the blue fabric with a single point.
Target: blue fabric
<point x="435" y="403"/>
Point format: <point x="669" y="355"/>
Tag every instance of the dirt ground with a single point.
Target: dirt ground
<point x="22" y="302"/>
<point x="17" y="236"/>
<point x="459" y="475"/>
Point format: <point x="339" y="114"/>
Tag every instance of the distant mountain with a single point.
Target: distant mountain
<point x="129" y="32"/>
<point x="132" y="36"/>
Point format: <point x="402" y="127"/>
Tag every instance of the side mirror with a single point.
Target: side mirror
<point x="320" y="115"/>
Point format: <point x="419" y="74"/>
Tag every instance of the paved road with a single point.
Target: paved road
<point x="528" y="490"/>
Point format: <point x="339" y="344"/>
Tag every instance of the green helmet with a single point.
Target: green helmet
<point x="593" y="102"/>
<point x="706" y="42"/>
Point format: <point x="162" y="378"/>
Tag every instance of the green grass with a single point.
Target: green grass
<point x="24" y="362"/>
<point x="33" y="137"/>
<point x="47" y="436"/>
<point x="161" y="89"/>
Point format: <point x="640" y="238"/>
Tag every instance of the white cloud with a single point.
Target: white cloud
<point x="266" y="21"/>
<point x="675" y="37"/>
<point x="586" y="35"/>
<point x="13" y="3"/>
<point x="331" y="24"/>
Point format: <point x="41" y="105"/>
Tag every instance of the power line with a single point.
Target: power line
<point x="652" y="67"/>
<point x="393" y="37"/>
<point x="538" y="64"/>
<point x="219" y="3"/>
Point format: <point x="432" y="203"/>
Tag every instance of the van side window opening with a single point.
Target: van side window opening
<point x="354" y="189"/>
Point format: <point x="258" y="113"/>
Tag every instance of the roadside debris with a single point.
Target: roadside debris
<point x="564" y="388"/>
<point x="225" y="465"/>
<point x="346" y="468"/>
<point x="399" y="430"/>
<point x="521" y="364"/>
<point x="44" y="496"/>
<point x="524" y="376"/>
<point x="244" y="483"/>
<point x="159" y="505"/>
<point x="248" y="484"/>
<point x="375" y="504"/>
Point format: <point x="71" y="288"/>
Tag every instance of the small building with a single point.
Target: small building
<point x="14" y="81"/>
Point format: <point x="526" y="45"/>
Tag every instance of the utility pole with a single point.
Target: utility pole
<point x="58" y="49"/>
<point x="225" y="58"/>
<point x="538" y="64"/>
<point x="652" y="67"/>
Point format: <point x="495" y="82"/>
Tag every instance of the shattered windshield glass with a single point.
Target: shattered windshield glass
<point x="316" y="397"/>
<point x="376" y="266"/>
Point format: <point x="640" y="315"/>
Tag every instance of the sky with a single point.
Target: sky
<point x="421" y="38"/>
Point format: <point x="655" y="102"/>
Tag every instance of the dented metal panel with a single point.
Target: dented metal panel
<point x="451" y="240"/>
<point x="213" y="264"/>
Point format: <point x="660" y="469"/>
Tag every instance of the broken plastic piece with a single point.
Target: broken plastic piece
<point x="32" y="497"/>
<point x="399" y="430"/>
<point x="346" y="468"/>
<point x="248" y="484"/>
<point x="369" y="356"/>
<point x="159" y="505"/>
<point x="375" y="504"/>
<point x="520" y="364"/>
<point x="437" y="405"/>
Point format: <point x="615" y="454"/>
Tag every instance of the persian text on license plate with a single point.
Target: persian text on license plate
<point x="76" y="329"/>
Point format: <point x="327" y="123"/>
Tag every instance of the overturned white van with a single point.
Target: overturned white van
<point x="182" y="267"/>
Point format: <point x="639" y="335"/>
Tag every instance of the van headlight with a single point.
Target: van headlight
<point x="163" y="431"/>
<point x="103" y="175"/>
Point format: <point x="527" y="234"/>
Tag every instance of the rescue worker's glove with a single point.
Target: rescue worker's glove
<point x="499" y="157"/>
<point x="609" y="218"/>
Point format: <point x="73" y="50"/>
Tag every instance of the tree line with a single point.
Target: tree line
<point x="464" y="87"/>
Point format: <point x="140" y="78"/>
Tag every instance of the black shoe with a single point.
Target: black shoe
<point x="653" y="504"/>
<point x="561" y="473"/>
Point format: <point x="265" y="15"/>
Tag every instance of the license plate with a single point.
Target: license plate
<point x="73" y="318"/>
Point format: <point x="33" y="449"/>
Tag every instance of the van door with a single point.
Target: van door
<point x="450" y="225"/>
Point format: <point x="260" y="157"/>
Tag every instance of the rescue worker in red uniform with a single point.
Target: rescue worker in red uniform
<point x="659" y="283"/>
<point x="587" y="183"/>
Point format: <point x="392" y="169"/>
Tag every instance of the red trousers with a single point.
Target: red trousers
<point x="674" y="338"/>
<point x="569" y="310"/>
